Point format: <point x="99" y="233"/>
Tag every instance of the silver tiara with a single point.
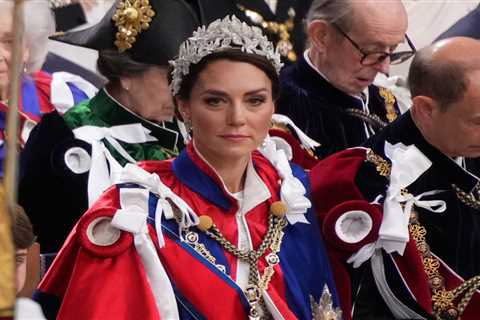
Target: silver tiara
<point x="220" y="35"/>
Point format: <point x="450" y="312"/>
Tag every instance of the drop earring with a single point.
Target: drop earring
<point x="188" y="128"/>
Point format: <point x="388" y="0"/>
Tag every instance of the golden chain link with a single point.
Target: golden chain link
<point x="272" y="240"/>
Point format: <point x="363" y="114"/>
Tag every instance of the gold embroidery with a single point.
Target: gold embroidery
<point x="389" y="98"/>
<point x="470" y="199"/>
<point x="282" y="30"/>
<point x="131" y="18"/>
<point x="382" y="165"/>
<point x="442" y="299"/>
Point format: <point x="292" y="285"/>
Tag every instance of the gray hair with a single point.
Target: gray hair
<point x="332" y="11"/>
<point x="39" y="25"/>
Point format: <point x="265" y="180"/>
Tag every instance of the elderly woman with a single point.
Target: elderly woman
<point x="40" y="92"/>
<point x="225" y="230"/>
<point x="70" y="160"/>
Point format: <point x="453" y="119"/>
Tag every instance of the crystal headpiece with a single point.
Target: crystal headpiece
<point x="220" y="35"/>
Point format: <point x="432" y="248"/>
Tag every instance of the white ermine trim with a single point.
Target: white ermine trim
<point x="353" y="226"/>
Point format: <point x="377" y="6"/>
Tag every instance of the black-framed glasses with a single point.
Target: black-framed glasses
<point x="372" y="58"/>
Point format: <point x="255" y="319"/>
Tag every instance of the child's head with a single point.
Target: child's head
<point x="23" y="238"/>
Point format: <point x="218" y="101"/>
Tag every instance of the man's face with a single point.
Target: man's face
<point x="374" y="31"/>
<point x="456" y="131"/>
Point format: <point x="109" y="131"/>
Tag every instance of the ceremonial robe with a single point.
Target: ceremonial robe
<point x="42" y="93"/>
<point x="333" y="118"/>
<point x="88" y="281"/>
<point x="439" y="238"/>
<point x="56" y="161"/>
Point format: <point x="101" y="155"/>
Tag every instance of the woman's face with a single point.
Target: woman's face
<point x="150" y="96"/>
<point x="6" y="41"/>
<point x="230" y="108"/>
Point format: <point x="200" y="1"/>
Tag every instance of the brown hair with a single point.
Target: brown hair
<point x="260" y="62"/>
<point x="114" y="65"/>
<point x="22" y="230"/>
<point x="445" y="82"/>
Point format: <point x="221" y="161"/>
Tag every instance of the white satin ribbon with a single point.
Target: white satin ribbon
<point x="292" y="191"/>
<point x="60" y="94"/>
<point x="134" y="174"/>
<point x="306" y="141"/>
<point x="100" y="177"/>
<point x="132" y="217"/>
<point x="408" y="164"/>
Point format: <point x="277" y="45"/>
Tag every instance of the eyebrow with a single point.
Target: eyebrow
<point x="224" y="94"/>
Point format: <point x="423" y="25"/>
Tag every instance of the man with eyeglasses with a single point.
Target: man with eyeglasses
<point x="401" y="215"/>
<point x="329" y="93"/>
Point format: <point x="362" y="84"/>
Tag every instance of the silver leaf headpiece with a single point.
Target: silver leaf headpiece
<point x="220" y="35"/>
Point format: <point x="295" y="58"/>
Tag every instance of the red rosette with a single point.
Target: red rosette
<point x="99" y="237"/>
<point x="352" y="224"/>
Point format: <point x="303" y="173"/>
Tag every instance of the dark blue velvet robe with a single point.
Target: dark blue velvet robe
<point x="318" y="108"/>
<point x="453" y="236"/>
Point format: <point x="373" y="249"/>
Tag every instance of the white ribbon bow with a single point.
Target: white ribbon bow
<point x="306" y="141"/>
<point x="408" y="164"/>
<point x="100" y="177"/>
<point x="292" y="191"/>
<point x="61" y="96"/>
<point x="134" y="174"/>
<point x="132" y="217"/>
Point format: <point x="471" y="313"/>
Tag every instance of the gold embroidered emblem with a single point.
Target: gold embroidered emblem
<point x="324" y="310"/>
<point x="131" y="18"/>
<point x="382" y="166"/>
<point x="389" y="98"/>
<point x="442" y="299"/>
<point x="282" y="30"/>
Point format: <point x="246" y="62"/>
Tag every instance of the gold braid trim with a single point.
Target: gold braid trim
<point x="443" y="300"/>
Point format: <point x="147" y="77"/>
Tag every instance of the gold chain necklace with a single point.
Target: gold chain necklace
<point x="273" y="240"/>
